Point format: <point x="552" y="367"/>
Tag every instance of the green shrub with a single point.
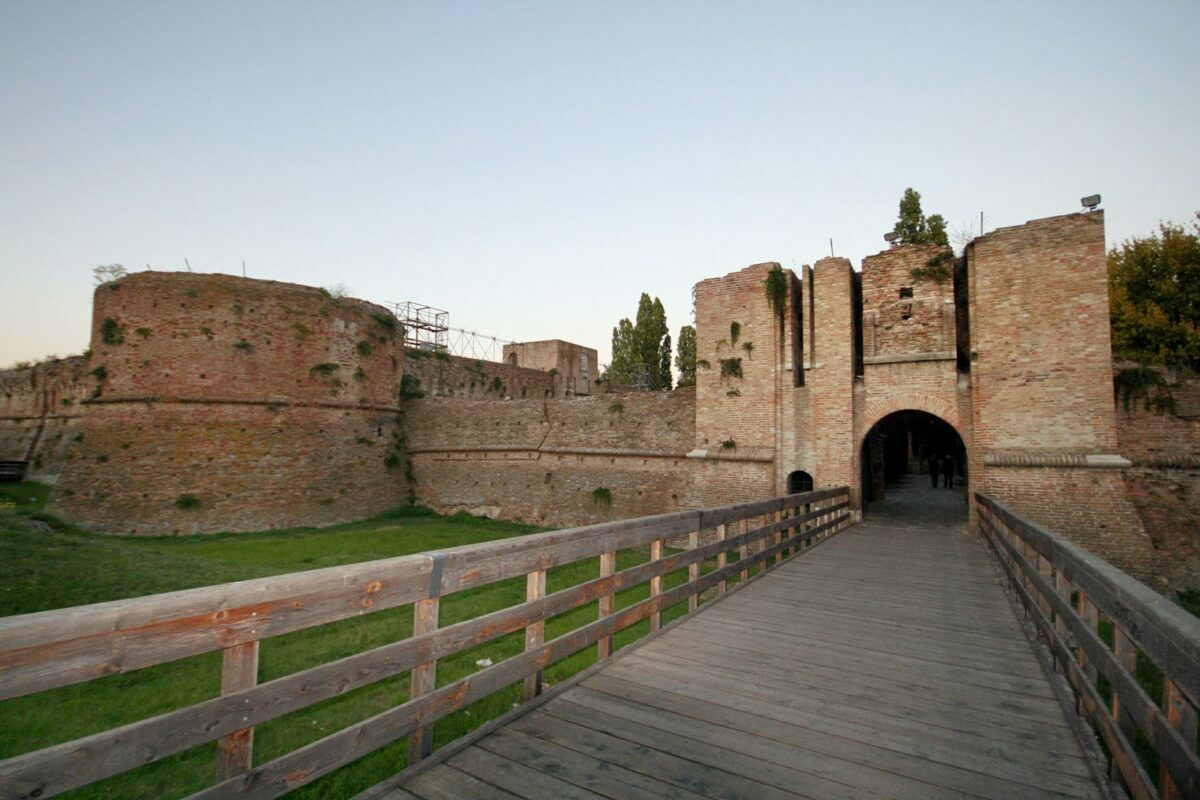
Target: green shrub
<point x="111" y="332"/>
<point x="187" y="502"/>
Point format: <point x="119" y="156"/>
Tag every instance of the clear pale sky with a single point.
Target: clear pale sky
<point x="533" y="168"/>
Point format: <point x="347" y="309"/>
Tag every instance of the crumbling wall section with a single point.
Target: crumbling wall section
<point x="444" y="375"/>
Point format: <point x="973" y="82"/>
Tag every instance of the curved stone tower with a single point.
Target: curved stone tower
<point x="229" y="404"/>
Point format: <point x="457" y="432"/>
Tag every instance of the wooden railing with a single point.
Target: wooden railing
<point x="1075" y="599"/>
<point x="52" y="649"/>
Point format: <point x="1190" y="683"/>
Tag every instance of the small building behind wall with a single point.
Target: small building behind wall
<point x="574" y="365"/>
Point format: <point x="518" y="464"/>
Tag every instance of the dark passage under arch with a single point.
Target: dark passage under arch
<point x="900" y="457"/>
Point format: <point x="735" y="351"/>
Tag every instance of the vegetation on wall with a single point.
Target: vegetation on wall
<point x="111" y="332"/>
<point x="602" y="498"/>
<point x="243" y="346"/>
<point x="777" y="290"/>
<point x="1154" y="297"/>
<point x="616" y="407"/>
<point x="1143" y="384"/>
<point x="730" y="368"/>
<point x="939" y="268"/>
<point x="735" y="330"/>
<point x="410" y="387"/>
<point x="324" y="369"/>
<point x="187" y="502"/>
<point x="729" y="444"/>
<point x="364" y="348"/>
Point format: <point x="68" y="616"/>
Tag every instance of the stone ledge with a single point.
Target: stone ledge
<point x="758" y="454"/>
<point x="234" y="401"/>
<point x="581" y="451"/>
<point x="907" y="357"/>
<point x="1053" y="458"/>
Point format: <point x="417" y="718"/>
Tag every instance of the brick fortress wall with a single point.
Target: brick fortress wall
<point x="1164" y="481"/>
<point x="1041" y="368"/>
<point x="222" y="403"/>
<point x="39" y="414"/>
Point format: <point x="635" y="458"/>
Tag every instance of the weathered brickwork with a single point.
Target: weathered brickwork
<point x="903" y="316"/>
<point x="222" y="403"/>
<point x="469" y="378"/>
<point x="573" y="367"/>
<point x="1164" y="482"/>
<point x="39" y="411"/>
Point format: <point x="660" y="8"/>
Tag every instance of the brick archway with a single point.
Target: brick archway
<point x="909" y="401"/>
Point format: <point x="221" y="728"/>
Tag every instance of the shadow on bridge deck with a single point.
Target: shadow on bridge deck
<point x="886" y="662"/>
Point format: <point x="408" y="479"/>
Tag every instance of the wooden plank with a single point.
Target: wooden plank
<point x="608" y="565"/>
<point x="239" y="670"/>
<point x="448" y="783"/>
<point x="743" y="550"/>
<point x="423" y="679"/>
<point x="517" y="778"/>
<point x="535" y="632"/>
<point x="602" y="777"/>
<point x="56" y="648"/>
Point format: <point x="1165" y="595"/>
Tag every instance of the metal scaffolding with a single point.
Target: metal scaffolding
<point x="428" y="328"/>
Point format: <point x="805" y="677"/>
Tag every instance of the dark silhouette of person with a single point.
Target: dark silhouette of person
<point x="934" y="466"/>
<point x="948" y="472"/>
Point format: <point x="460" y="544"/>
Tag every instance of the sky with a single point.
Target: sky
<point x="532" y="168"/>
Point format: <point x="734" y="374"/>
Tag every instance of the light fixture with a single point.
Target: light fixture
<point x="1090" y="202"/>
<point x="891" y="236"/>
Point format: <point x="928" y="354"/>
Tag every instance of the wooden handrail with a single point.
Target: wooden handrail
<point x="58" y="648"/>
<point x="1068" y="592"/>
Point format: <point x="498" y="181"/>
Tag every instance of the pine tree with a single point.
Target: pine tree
<point x="664" y="363"/>
<point x="685" y="356"/>
<point x="913" y="227"/>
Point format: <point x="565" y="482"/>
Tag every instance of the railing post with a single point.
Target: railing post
<point x="744" y="550"/>
<point x="1182" y="717"/>
<point x="762" y="543"/>
<point x="656" y="548"/>
<point x="423" y="679"/>
<point x="693" y="571"/>
<point x="778" y="535"/>
<point x="239" y="670"/>
<point x="535" y="632"/>
<point x="1063" y="587"/>
<point x="1091" y="619"/>
<point x="608" y="566"/>
<point x="1125" y="652"/>
<point x="722" y="560"/>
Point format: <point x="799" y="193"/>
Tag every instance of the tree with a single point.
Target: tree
<point x="685" y="356"/>
<point x="913" y="227"/>
<point x="109" y="272"/>
<point x="638" y="347"/>
<point x="1154" y="297"/>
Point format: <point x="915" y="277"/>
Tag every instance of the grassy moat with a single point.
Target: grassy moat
<point x="46" y="564"/>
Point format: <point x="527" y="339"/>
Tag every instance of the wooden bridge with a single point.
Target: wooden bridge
<point x="849" y="661"/>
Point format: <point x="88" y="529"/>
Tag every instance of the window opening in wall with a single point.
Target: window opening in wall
<point x="799" y="481"/>
<point x="512" y="359"/>
<point x="797" y="333"/>
<point x="856" y="314"/>
<point x="905" y="291"/>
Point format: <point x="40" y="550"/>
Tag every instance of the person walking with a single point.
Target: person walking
<point x="948" y="471"/>
<point x="934" y="466"/>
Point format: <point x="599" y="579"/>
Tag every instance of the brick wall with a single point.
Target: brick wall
<point x="894" y="325"/>
<point x="39" y="409"/>
<point x="1041" y="369"/>
<point x="1164" y="482"/>
<point x="542" y="460"/>
<point x="234" y="404"/>
<point x="469" y="378"/>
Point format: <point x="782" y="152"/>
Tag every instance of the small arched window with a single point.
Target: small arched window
<point x="799" y="481"/>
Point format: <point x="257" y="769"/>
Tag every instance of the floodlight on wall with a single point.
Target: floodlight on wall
<point x="1090" y="202"/>
<point x="891" y="236"/>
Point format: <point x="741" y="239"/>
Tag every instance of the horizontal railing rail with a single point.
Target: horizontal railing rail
<point x="53" y="649"/>
<point x="1073" y="596"/>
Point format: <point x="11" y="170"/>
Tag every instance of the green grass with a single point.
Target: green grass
<point x="45" y="564"/>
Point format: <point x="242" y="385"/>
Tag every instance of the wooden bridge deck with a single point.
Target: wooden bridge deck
<point x="887" y="662"/>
